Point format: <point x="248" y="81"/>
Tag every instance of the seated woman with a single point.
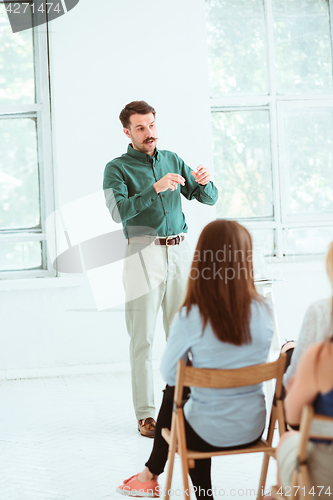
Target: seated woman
<point x="223" y="324"/>
<point x="312" y="383"/>
<point x="317" y="324"/>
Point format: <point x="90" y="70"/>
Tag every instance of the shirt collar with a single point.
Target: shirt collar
<point x="145" y="158"/>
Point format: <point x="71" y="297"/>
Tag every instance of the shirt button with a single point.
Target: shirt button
<point x="169" y="228"/>
<point x="163" y="195"/>
<point x="167" y="211"/>
<point x="152" y="199"/>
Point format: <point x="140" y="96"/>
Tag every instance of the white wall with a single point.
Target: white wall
<point x="103" y="55"/>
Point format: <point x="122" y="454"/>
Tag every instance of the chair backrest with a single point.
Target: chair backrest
<point x="313" y="426"/>
<point x="188" y="376"/>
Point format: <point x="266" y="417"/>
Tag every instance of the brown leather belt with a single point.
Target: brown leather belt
<point x="170" y="240"/>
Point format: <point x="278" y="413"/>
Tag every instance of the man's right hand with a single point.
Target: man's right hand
<point x="169" y="181"/>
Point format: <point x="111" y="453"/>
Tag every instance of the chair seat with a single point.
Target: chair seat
<point x="260" y="446"/>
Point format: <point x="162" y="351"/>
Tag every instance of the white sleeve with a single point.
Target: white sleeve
<point x="307" y="337"/>
<point x="178" y="347"/>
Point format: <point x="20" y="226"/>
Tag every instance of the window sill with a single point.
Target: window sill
<point x="38" y="283"/>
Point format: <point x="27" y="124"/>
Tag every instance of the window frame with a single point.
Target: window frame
<point x="41" y="112"/>
<point x="276" y="104"/>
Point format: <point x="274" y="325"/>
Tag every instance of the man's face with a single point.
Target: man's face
<point x="142" y="132"/>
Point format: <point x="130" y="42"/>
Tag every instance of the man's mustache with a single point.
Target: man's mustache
<point x="150" y="139"/>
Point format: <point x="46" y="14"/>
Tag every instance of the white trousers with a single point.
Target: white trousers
<point x="154" y="276"/>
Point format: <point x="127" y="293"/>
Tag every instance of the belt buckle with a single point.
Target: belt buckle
<point x="169" y="238"/>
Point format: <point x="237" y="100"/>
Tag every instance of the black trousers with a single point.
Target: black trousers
<point x="201" y="474"/>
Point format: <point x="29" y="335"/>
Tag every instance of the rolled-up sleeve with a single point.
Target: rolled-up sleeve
<point x="207" y="194"/>
<point x="121" y="206"/>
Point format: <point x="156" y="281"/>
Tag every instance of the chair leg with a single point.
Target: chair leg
<point x="182" y="451"/>
<point x="171" y="458"/>
<point x="168" y="481"/>
<point x="263" y="476"/>
<point x="295" y="482"/>
<point x="304" y="481"/>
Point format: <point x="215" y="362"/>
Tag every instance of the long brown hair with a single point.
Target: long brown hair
<point x="221" y="281"/>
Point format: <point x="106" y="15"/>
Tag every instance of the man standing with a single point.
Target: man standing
<point x="142" y="190"/>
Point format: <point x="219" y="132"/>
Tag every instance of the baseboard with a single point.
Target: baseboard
<point x="63" y="371"/>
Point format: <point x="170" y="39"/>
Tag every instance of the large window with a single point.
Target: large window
<point x="272" y="118"/>
<point x="26" y="185"/>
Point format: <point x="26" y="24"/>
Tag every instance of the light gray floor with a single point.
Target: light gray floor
<point x="75" y="438"/>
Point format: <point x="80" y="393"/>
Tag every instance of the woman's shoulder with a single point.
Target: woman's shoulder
<point x="262" y="307"/>
<point x="188" y="317"/>
<point x="319" y="352"/>
<point x="322" y="307"/>
<point x="318" y="317"/>
<point x="319" y="359"/>
<point x="190" y="320"/>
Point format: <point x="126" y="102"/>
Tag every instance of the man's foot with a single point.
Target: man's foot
<point x="135" y="488"/>
<point x="146" y="427"/>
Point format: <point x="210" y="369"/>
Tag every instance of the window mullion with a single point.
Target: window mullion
<point x="330" y="10"/>
<point x="282" y="170"/>
<point x="17" y="110"/>
<point x="240" y="101"/>
<point x="276" y="180"/>
<point x="270" y="47"/>
<point x="273" y="125"/>
<point x="309" y="223"/>
<point x="22" y="236"/>
<point x="44" y="134"/>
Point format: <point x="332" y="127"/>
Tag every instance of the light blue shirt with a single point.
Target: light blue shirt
<point x="222" y="417"/>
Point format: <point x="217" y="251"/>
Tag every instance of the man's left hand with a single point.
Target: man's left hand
<point x="201" y="175"/>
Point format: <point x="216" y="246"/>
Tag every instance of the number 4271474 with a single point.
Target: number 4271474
<point x="20" y="8"/>
<point x="314" y="491"/>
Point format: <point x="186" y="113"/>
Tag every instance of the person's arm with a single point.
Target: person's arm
<point x="177" y="348"/>
<point x="121" y="206"/>
<point x="307" y="338"/>
<point x="206" y="194"/>
<point x="303" y="387"/>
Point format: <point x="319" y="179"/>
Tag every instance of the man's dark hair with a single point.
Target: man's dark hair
<point x="135" y="108"/>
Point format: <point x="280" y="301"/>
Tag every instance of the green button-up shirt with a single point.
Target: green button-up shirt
<point x="132" y="199"/>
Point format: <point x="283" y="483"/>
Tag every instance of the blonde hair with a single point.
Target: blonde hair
<point x="325" y="347"/>
<point x="329" y="267"/>
<point x="329" y="263"/>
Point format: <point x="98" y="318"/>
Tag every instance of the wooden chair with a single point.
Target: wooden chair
<point x="312" y="426"/>
<point x="211" y="378"/>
